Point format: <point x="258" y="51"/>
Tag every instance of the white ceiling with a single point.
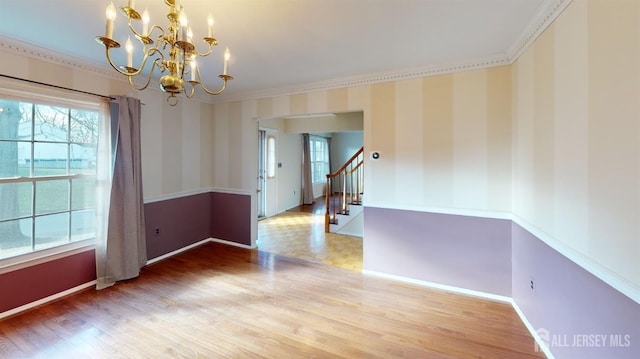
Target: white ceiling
<point x="278" y="44"/>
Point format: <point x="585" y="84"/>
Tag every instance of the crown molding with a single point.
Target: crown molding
<point x="371" y="78"/>
<point x="548" y="12"/>
<point x="18" y="47"/>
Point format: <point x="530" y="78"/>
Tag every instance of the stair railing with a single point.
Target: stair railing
<point x="344" y="188"/>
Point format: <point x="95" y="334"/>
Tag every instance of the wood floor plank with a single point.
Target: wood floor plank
<point x="218" y="301"/>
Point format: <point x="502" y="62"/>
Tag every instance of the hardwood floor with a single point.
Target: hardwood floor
<point x="300" y="234"/>
<point x="218" y="301"/>
<point x="318" y="207"/>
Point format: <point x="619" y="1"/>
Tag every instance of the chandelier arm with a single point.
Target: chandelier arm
<point x="209" y="51"/>
<point x="136" y="33"/>
<point x="224" y="84"/>
<point x="155" y="62"/>
<point x="155" y="26"/>
<point x="193" y="89"/>
<point x="145" y="39"/>
<point x="108" y="55"/>
<point x="132" y="72"/>
<point x="151" y="52"/>
<point x="161" y="38"/>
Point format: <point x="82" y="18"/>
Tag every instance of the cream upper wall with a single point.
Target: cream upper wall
<point x="576" y="141"/>
<point x="177" y="153"/>
<point x="176" y="146"/>
<point x="449" y="153"/>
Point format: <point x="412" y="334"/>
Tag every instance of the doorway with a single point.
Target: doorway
<point x="296" y="230"/>
<point x="267" y="180"/>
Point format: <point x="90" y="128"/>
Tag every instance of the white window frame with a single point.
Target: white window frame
<point x="319" y="168"/>
<point x="37" y="94"/>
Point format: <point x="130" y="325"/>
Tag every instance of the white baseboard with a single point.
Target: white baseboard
<point x="50" y="298"/>
<point x="177" y="251"/>
<point x="216" y="240"/>
<point x="494" y="297"/>
<point x="536" y="336"/>
<point x="448" y="288"/>
<point x="197" y="244"/>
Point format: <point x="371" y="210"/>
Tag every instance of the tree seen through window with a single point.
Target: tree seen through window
<point x="47" y="175"/>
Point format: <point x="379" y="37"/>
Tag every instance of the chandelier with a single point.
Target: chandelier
<point x="173" y="51"/>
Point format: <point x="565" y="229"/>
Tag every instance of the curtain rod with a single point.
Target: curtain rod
<point x="58" y="87"/>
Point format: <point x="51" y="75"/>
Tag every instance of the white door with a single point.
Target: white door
<point x="267" y="171"/>
<point x="262" y="172"/>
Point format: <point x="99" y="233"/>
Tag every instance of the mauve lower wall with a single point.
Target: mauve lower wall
<point x="568" y="302"/>
<point x="460" y="251"/>
<point x="33" y="283"/>
<point x="187" y="220"/>
<point x="231" y="217"/>
<point x="181" y="221"/>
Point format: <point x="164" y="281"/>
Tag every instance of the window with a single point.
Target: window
<point x="271" y="157"/>
<point x="319" y="158"/>
<point x="47" y="175"/>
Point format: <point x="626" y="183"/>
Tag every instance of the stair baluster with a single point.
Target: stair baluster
<point x="344" y="188"/>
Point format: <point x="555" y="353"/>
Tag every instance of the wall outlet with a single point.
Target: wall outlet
<point x="156" y="232"/>
<point x="532" y="284"/>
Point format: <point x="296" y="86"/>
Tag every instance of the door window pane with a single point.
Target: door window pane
<point x="271" y="156"/>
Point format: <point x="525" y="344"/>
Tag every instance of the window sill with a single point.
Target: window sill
<point x="42" y="256"/>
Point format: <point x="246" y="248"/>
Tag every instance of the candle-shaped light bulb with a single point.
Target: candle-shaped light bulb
<point x="132" y="3"/>
<point x="129" y="47"/>
<point x="227" y="56"/>
<point x="194" y="65"/>
<point x="182" y="17"/>
<point x="183" y="25"/>
<point x="111" y="15"/>
<point x="210" y="25"/>
<point x="145" y="22"/>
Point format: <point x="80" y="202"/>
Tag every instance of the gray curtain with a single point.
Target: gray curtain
<point x="307" y="181"/>
<point x="124" y="251"/>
